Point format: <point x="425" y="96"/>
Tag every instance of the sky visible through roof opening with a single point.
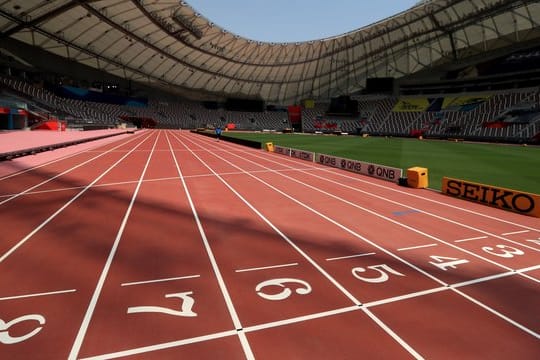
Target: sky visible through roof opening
<point x="296" y="20"/>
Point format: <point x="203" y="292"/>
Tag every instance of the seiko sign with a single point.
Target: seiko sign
<point x="507" y="199"/>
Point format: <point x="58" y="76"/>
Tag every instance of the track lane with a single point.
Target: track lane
<point x="467" y="212"/>
<point x="47" y="276"/>
<point x="430" y="230"/>
<point x="162" y="240"/>
<point x="26" y="213"/>
<point x="435" y="226"/>
<point x="293" y="305"/>
<point x="445" y="254"/>
<point x="450" y="327"/>
<point x="328" y="333"/>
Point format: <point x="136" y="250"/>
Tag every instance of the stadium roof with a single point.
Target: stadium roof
<point x="166" y="43"/>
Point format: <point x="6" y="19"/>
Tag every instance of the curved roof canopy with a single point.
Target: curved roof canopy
<point x="166" y="43"/>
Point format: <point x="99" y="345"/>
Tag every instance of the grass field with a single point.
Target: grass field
<point x="510" y="166"/>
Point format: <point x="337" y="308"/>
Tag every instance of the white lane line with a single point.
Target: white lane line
<point x="95" y="186"/>
<point x="266" y="267"/>
<point x="483" y="279"/>
<point x="515" y="232"/>
<point x="97" y="292"/>
<point x="162" y="346"/>
<point x="136" y="181"/>
<point x="63" y="207"/>
<point x="471" y="239"/>
<point x="452" y="286"/>
<point x="420" y="197"/>
<point x="298" y="319"/>
<point x="316" y="265"/>
<point x="416" y="247"/>
<point x="63" y="173"/>
<point x="37" y="294"/>
<point x="418" y="231"/>
<point x="390" y="220"/>
<point x="160" y="280"/>
<point x="273" y="226"/>
<point x="530" y="268"/>
<point x="211" y="257"/>
<point x="406" y="296"/>
<point x="499" y="314"/>
<point x="350" y="256"/>
<point x="346" y="175"/>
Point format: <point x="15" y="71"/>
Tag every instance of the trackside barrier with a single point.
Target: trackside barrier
<point x="374" y="170"/>
<point x="506" y="199"/>
<point x="295" y="153"/>
<point x="282" y="150"/>
<point x="360" y="167"/>
<point x="301" y="154"/>
<point x="34" y="150"/>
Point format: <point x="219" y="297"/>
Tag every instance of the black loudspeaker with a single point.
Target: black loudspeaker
<point x="402" y="181"/>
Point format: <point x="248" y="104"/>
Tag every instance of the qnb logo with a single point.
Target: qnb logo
<point x="327" y="160"/>
<point x="304" y="155"/>
<point x="385" y="173"/>
<point x="351" y="165"/>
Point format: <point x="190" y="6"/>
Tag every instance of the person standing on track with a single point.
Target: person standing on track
<point x="218" y="132"/>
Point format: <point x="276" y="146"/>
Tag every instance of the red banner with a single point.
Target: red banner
<point x="295" y="114"/>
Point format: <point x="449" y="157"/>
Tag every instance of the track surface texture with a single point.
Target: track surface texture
<point x="171" y="245"/>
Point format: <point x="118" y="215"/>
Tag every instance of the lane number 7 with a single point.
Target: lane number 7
<point x="185" y="310"/>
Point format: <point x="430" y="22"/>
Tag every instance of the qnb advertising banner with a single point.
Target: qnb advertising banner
<point x="507" y="199"/>
<point x="374" y="170"/>
<point x="360" y="167"/>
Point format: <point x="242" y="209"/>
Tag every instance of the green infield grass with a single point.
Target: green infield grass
<point x="510" y="166"/>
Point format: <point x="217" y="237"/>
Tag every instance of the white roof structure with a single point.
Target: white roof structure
<point x="166" y="43"/>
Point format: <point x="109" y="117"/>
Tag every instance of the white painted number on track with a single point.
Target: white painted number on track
<point x="536" y="241"/>
<point x="383" y="270"/>
<point x="286" y="292"/>
<point x="507" y="251"/>
<point x="441" y="264"/>
<point x="6" y="338"/>
<point x="186" y="309"/>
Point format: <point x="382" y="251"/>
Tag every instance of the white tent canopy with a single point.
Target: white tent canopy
<point x="166" y="43"/>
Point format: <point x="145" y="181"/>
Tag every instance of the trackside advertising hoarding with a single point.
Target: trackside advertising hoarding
<point x="360" y="167"/>
<point x="507" y="199"/>
<point x="282" y="150"/>
<point x="299" y="154"/>
<point x="374" y="170"/>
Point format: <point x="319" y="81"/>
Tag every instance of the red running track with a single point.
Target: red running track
<point x="170" y="245"/>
